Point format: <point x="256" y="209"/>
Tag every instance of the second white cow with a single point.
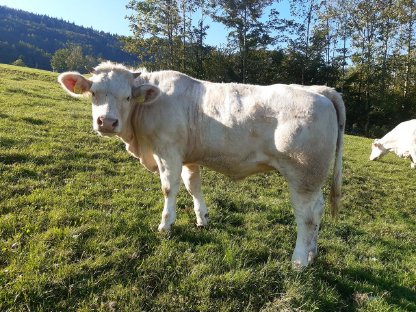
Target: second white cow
<point x="173" y="124"/>
<point x="401" y="140"/>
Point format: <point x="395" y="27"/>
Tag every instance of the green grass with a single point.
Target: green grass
<point x="78" y="219"/>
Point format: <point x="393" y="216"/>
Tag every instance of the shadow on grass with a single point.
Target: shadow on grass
<point x="348" y="232"/>
<point x="35" y="121"/>
<point x="351" y="281"/>
<point x="193" y="234"/>
<point x="70" y="292"/>
<point x="13" y="158"/>
<point x="7" y="142"/>
<point x="84" y="276"/>
<point x="231" y="213"/>
<point x="68" y="156"/>
<point x="30" y="94"/>
<point x="368" y="278"/>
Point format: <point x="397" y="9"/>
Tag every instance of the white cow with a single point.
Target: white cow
<point x="401" y="140"/>
<point x="173" y="124"/>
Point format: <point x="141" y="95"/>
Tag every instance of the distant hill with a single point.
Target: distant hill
<point x="34" y="38"/>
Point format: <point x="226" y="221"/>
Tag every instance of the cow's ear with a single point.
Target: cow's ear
<point x="145" y="94"/>
<point x="74" y="83"/>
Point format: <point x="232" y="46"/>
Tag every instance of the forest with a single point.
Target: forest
<point x="32" y="40"/>
<point x="363" y="48"/>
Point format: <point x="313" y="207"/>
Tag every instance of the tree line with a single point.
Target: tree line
<point x="363" y="48"/>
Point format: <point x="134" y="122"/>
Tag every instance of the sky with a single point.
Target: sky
<point x="105" y="15"/>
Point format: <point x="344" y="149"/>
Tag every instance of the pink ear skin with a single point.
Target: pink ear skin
<point x="69" y="83"/>
<point x="146" y="93"/>
<point x="74" y="83"/>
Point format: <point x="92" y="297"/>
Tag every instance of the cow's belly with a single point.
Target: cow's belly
<point x="237" y="166"/>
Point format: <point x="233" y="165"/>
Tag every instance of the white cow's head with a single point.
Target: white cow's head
<point x="377" y="150"/>
<point x="113" y="95"/>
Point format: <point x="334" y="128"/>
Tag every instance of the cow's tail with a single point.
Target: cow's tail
<point x="335" y="193"/>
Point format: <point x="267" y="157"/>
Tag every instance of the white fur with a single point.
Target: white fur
<point x="235" y="129"/>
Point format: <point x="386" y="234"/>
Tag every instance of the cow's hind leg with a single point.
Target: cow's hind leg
<point x="317" y="213"/>
<point x="308" y="208"/>
<point x="192" y="179"/>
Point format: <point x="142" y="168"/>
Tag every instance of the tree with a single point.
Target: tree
<point x="72" y="58"/>
<point x="156" y="33"/>
<point x="337" y="14"/>
<point x="19" y="62"/>
<point x="199" y="51"/>
<point x="58" y="61"/>
<point x="407" y="19"/>
<point x="247" y="31"/>
<point x="308" y="12"/>
<point x="170" y="34"/>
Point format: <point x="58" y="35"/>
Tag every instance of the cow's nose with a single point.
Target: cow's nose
<point x="106" y="124"/>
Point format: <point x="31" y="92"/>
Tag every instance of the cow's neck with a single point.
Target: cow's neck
<point x="389" y="144"/>
<point x="136" y="147"/>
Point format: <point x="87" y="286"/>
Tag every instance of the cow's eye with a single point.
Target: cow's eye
<point x="128" y="98"/>
<point x="92" y="93"/>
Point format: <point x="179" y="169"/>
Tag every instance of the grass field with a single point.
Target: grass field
<point x="78" y="220"/>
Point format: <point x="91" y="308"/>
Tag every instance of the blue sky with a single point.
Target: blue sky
<point x="105" y="15"/>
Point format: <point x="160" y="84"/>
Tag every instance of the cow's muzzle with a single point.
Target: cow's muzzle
<point x="107" y="125"/>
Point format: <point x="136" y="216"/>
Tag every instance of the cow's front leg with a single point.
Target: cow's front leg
<point x="413" y="159"/>
<point x="170" y="172"/>
<point x="192" y="179"/>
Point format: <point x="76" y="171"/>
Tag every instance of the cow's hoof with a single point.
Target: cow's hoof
<point x="202" y="226"/>
<point x="298" y="265"/>
<point x="164" y="228"/>
<point x="299" y="261"/>
<point x="202" y="221"/>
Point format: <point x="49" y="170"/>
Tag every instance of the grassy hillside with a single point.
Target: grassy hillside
<point x="78" y="220"/>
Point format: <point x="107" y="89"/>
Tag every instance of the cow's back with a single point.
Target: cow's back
<point x="404" y="134"/>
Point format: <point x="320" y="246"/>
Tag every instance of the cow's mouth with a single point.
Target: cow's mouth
<point x="106" y="133"/>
